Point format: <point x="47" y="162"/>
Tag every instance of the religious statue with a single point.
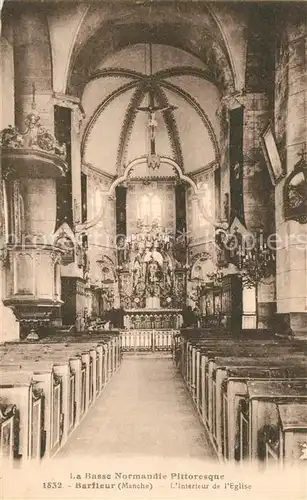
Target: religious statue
<point x="153" y="278"/>
<point x="137" y="272"/>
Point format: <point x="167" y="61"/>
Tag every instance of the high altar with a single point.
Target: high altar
<point x="152" y="282"/>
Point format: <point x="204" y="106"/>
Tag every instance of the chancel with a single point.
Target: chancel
<point x="153" y="210"/>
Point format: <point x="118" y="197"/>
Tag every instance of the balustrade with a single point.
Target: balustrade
<point x="137" y="319"/>
<point x="147" y="340"/>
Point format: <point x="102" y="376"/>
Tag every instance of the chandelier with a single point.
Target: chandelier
<point x="254" y="248"/>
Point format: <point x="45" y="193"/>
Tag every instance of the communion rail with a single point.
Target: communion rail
<point x="147" y="340"/>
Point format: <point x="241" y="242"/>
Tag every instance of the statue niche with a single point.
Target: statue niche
<point x="152" y="279"/>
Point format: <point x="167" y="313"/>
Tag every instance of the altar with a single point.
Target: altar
<point x="151" y="282"/>
<point x="148" y="319"/>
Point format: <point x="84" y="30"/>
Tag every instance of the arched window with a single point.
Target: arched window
<point x="149" y="209"/>
<point x="144" y="208"/>
<point x="156" y="208"/>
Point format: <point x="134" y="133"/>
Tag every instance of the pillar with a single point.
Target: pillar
<point x="291" y="132"/>
<point x="258" y="192"/>
<point x="32" y="284"/>
<point x="33" y="94"/>
<point x="32" y="65"/>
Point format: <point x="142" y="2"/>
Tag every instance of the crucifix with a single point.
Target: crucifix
<point x="152" y="110"/>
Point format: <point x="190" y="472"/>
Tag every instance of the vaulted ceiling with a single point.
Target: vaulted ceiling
<point x="115" y="132"/>
<point x="193" y="67"/>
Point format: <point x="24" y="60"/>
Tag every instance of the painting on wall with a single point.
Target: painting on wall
<point x="271" y="154"/>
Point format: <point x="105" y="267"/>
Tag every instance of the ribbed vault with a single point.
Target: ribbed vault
<point x="104" y="32"/>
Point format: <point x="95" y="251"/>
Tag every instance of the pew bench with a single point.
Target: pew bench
<point x="43" y="374"/>
<point x="259" y="417"/>
<point x="7" y="429"/>
<point x="292" y="444"/>
<point x="233" y="389"/>
<point x="217" y="370"/>
<point x="52" y="385"/>
<point x="19" y="389"/>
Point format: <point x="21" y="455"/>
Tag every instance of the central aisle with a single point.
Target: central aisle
<point x="145" y="410"/>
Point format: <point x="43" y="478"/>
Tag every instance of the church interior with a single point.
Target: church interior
<point x="153" y="212"/>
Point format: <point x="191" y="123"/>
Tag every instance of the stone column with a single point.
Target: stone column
<point x="32" y="285"/>
<point x="33" y="94"/>
<point x="258" y="193"/>
<point x="291" y="132"/>
<point x="32" y="65"/>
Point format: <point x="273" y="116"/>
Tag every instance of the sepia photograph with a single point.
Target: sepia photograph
<point x="153" y="249"/>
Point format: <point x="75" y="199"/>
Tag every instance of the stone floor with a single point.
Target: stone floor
<point x="145" y="410"/>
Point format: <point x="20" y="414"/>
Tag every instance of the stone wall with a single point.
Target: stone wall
<point x="291" y="133"/>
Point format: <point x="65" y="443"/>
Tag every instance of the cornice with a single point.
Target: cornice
<point x="69" y="101"/>
<point x="185" y="71"/>
<point x="116" y="72"/>
<point x="213" y="165"/>
<point x="88" y="167"/>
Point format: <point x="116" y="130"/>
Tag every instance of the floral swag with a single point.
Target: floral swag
<point x="35" y="137"/>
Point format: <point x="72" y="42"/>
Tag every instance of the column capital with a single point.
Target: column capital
<point x="69" y="101"/>
<point x="234" y="99"/>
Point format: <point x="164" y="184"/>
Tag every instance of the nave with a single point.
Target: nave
<point x="142" y="412"/>
<point x="195" y="393"/>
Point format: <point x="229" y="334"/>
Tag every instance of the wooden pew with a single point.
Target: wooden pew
<point x="259" y="415"/>
<point x="195" y="349"/>
<point x="291" y="447"/>
<point x="19" y="389"/>
<point x="220" y="363"/>
<point x="233" y="351"/>
<point x="203" y="363"/>
<point x="63" y="370"/>
<point x="7" y="427"/>
<point x="69" y="375"/>
<point x="43" y="374"/>
<point x="234" y="389"/>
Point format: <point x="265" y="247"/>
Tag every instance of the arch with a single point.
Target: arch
<point x="109" y="99"/>
<point x="123" y="178"/>
<point x="205" y="40"/>
<point x="140" y="89"/>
